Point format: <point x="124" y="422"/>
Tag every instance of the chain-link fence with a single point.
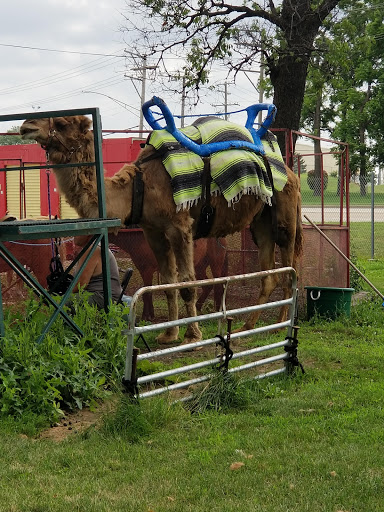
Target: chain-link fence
<point x="361" y="206"/>
<point x="367" y="217"/>
<point x="325" y="201"/>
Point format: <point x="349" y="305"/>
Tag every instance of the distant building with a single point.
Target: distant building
<point x="330" y="163"/>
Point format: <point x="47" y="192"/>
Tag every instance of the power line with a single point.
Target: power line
<point x="61" y="51"/>
<point x="119" y="102"/>
<point x="96" y="85"/>
<point x="57" y="77"/>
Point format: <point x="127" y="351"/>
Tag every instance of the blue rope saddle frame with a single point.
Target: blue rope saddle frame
<point x="205" y="150"/>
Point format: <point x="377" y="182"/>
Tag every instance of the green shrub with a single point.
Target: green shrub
<point x="64" y="371"/>
<point x="314" y="182"/>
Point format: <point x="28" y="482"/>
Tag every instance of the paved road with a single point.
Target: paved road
<point x="332" y="214"/>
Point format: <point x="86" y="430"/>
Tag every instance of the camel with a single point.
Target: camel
<point x="169" y="232"/>
<point x="210" y="253"/>
<point x="206" y="253"/>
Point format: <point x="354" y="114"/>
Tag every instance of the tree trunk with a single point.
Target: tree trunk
<point x="299" y="24"/>
<point x="363" y="150"/>
<point x="288" y="79"/>
<point x="288" y="75"/>
<point x="363" y="164"/>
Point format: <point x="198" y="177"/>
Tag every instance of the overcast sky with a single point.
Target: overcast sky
<point x="38" y="79"/>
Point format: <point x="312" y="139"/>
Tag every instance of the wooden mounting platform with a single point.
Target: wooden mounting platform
<point x="28" y="230"/>
<point x="22" y="230"/>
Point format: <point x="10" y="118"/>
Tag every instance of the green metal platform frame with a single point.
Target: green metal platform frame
<point x="22" y="230"/>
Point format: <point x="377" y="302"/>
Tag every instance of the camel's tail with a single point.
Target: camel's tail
<point x="299" y="238"/>
<point x="224" y="271"/>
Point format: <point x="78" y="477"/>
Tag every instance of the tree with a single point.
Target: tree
<point x="10" y="140"/>
<point x="357" y="81"/>
<point x="235" y="33"/>
<point x="349" y="71"/>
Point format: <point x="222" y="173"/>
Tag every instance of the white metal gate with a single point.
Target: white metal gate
<point x="289" y="344"/>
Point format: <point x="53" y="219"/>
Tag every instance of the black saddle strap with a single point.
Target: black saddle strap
<point x="207" y="213"/>
<point x="138" y="190"/>
<point x="137" y="200"/>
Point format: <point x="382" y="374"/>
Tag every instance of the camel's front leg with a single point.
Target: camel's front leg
<point x="161" y="248"/>
<point x="182" y="243"/>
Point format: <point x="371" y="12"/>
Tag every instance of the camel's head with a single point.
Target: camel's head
<point x="58" y="135"/>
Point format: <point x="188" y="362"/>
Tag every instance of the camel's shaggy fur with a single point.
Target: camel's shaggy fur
<point x="169" y="233"/>
<point x="207" y="252"/>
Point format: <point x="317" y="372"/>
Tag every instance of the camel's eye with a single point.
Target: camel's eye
<point x="60" y="123"/>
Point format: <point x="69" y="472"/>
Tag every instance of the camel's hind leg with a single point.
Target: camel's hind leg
<point x="289" y="240"/>
<point x="262" y="236"/>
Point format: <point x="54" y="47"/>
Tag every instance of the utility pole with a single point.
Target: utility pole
<point x="183" y="96"/>
<point x="261" y="78"/>
<point x="143" y="69"/>
<point x="225" y="104"/>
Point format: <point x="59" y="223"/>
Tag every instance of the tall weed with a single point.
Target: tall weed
<point x="64" y="371"/>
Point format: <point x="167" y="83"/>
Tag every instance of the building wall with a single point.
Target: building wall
<point x="330" y="163"/>
<point x="35" y="190"/>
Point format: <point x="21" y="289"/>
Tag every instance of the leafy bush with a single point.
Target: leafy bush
<point x="64" y="371"/>
<point x="314" y="182"/>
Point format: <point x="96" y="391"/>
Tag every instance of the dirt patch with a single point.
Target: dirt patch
<point x="359" y="297"/>
<point x="76" y="423"/>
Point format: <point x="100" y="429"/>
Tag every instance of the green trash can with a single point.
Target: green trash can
<point x="328" y="302"/>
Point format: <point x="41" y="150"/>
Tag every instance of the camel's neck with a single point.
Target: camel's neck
<point x="79" y="186"/>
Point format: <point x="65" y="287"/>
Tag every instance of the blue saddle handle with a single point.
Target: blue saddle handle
<point x="213" y="147"/>
<point x="253" y="111"/>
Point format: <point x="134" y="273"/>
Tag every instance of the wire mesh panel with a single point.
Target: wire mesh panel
<point x="324" y="191"/>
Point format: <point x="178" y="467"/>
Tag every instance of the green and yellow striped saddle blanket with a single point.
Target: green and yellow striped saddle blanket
<point x="235" y="172"/>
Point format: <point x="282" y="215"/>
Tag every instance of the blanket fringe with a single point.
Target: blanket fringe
<point x="186" y="205"/>
<point x="255" y="191"/>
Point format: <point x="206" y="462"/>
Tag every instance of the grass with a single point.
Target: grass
<point x="310" y="443"/>
<point x="360" y="233"/>
<point x="373" y="269"/>
<point x="331" y="198"/>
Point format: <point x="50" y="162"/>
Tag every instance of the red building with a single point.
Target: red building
<point x="25" y="193"/>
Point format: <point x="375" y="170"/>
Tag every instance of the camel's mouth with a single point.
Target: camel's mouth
<point x="27" y="133"/>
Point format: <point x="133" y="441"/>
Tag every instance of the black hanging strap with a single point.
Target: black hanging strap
<point x="137" y="200"/>
<point x="292" y="361"/>
<point x="58" y="280"/>
<point x="228" y="353"/>
<point x="207" y="213"/>
<point x="273" y="199"/>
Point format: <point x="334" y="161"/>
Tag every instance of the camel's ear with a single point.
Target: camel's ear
<point x="85" y="124"/>
<point x="60" y="122"/>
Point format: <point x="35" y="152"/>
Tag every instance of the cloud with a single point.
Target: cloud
<point x="49" y="80"/>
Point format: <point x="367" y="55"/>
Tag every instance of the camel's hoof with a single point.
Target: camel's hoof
<point x="242" y="328"/>
<point x="166" y="339"/>
<point x="188" y="341"/>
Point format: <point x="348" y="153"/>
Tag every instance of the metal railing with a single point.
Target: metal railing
<point x="289" y="356"/>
